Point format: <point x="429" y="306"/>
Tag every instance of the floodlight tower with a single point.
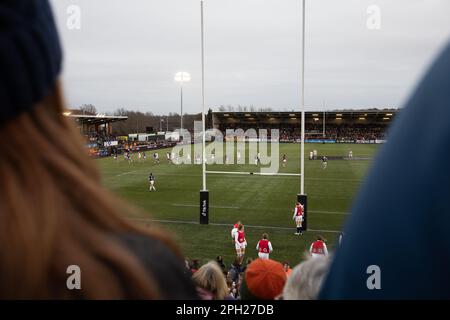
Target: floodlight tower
<point x="182" y="77"/>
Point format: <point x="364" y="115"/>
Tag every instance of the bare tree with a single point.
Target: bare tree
<point x="88" y="109"/>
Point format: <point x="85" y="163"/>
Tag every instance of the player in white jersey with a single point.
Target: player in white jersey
<point x="350" y="154"/>
<point x="139" y="156"/>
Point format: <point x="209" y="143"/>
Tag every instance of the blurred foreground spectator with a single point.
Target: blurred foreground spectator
<point x="263" y="280"/>
<point x="397" y="243"/>
<point x="55" y="214"/>
<point x="306" y="279"/>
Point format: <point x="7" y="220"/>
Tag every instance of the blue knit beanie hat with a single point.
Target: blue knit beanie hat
<point x="30" y="55"/>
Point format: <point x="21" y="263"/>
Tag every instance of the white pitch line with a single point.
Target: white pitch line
<point x="254" y="173"/>
<point x="198" y="205"/>
<point x="227" y="225"/>
<point x="125" y="173"/>
<point x="330" y="212"/>
<point x="141" y="172"/>
<point x="225" y="207"/>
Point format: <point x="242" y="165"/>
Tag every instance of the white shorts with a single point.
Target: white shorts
<point x="263" y="255"/>
<point x="152" y="183"/>
<point x="241" y="245"/>
<point x="299" y="219"/>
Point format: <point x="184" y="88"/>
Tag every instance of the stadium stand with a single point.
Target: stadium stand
<point x="355" y="126"/>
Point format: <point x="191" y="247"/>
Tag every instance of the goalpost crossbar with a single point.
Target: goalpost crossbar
<point x="255" y="173"/>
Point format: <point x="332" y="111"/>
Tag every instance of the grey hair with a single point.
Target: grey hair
<point x="306" y="279"/>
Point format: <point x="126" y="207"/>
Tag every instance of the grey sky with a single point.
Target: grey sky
<point x="127" y="52"/>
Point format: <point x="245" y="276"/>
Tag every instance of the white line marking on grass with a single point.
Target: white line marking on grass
<point x="198" y="205"/>
<point x="232" y="176"/>
<point x="125" y="173"/>
<point x="225" y="207"/>
<point x="330" y="212"/>
<point x="227" y="225"/>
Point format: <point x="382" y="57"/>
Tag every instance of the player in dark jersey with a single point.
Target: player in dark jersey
<point x="151" y="181"/>
<point x="324" y="162"/>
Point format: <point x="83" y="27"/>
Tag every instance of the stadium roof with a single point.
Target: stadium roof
<point x="338" y="117"/>
<point x="264" y="114"/>
<point x="347" y="114"/>
<point x="94" y="119"/>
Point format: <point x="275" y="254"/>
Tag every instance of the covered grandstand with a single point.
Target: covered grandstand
<point x="97" y="131"/>
<point x="320" y="126"/>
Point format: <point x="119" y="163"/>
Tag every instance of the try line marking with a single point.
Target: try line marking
<point x="125" y="173"/>
<point x="228" y="175"/>
<point x="226" y="225"/>
<point x="198" y="205"/>
<point x="225" y="207"/>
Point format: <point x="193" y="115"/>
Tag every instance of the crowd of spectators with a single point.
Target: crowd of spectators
<point x="349" y="133"/>
<point x="258" y="279"/>
<point x="337" y="133"/>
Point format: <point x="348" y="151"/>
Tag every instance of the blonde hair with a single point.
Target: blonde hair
<point x="210" y="277"/>
<point x="55" y="213"/>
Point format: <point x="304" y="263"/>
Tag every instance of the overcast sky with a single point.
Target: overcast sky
<point x="127" y="52"/>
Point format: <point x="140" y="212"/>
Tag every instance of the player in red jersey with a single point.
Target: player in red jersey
<point x="298" y="217"/>
<point x="240" y="242"/>
<point x="264" y="247"/>
<point x="234" y="230"/>
<point x="318" y="248"/>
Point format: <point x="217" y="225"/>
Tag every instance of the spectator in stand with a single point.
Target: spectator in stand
<point x="54" y="211"/>
<point x="306" y="279"/>
<point x="235" y="270"/>
<point x="222" y="266"/>
<point x="247" y="263"/>
<point x="287" y="268"/>
<point x="233" y="291"/>
<point x="195" y="265"/>
<point x="211" y="282"/>
<point x="263" y="280"/>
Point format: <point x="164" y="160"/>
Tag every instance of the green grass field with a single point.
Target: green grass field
<point x="262" y="203"/>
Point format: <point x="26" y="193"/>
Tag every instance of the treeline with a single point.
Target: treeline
<point x="138" y="122"/>
<point x="240" y="108"/>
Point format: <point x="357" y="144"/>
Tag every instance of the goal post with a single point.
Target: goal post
<point x="303" y="199"/>
<point x="204" y="193"/>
